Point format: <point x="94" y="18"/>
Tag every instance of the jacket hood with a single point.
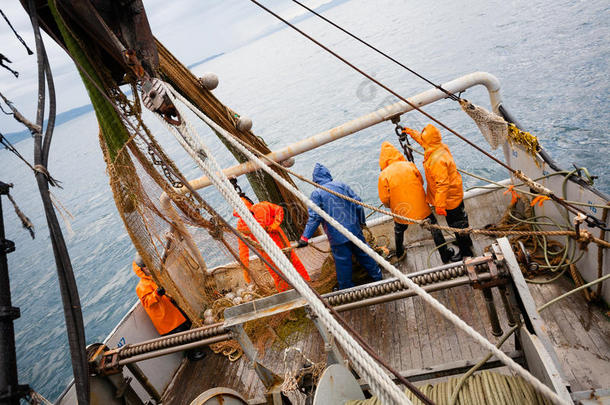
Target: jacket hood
<point x="389" y="154"/>
<point x="321" y="174"/>
<point x="431" y="137"/>
<point x="138" y="271"/>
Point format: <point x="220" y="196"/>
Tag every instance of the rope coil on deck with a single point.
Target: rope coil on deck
<point x="487" y="387"/>
<point x="396" y="285"/>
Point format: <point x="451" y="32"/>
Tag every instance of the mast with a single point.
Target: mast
<point x="10" y="390"/>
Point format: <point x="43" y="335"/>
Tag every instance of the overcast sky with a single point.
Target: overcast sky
<point x="191" y="29"/>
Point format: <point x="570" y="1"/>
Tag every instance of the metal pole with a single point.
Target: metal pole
<point x="10" y="391"/>
<point x="170" y="350"/>
<point x="383" y="114"/>
<point x="443" y="285"/>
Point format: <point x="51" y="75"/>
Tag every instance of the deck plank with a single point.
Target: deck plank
<point x="583" y="361"/>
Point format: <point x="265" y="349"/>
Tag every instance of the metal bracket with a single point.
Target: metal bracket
<point x="14" y="393"/>
<point x="333" y="355"/>
<point x="470" y="265"/>
<point x="10" y="313"/>
<point x="270" y="380"/>
<point x="110" y="364"/>
<point x="7" y="246"/>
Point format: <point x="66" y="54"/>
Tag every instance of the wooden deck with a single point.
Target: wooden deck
<point x="580" y="334"/>
<point x="422" y="339"/>
<point x="410" y="335"/>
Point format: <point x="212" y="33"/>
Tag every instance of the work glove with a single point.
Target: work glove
<point x="160" y="291"/>
<point x="410" y="131"/>
<point x="302" y="243"/>
<point x="441" y="211"/>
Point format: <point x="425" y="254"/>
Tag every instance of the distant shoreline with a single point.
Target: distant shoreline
<point x="61" y="118"/>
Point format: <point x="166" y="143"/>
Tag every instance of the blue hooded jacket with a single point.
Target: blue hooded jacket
<point x="346" y="213"/>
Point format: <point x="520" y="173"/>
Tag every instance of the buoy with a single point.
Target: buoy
<point x="288" y="162"/>
<point x="209" y="80"/>
<point x="244" y="124"/>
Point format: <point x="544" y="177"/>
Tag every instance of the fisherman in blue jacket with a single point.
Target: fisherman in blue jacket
<point x="348" y="214"/>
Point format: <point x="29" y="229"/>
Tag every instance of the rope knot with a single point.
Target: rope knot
<point x="43" y="170"/>
<point x="583" y="238"/>
<point x="215" y="230"/>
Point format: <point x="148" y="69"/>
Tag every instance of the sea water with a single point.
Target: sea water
<point x="551" y="58"/>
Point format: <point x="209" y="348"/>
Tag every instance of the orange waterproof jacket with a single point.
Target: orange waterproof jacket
<point x="162" y="312"/>
<point x="444" y="181"/>
<point x="270" y="217"/>
<point x="400" y="185"/>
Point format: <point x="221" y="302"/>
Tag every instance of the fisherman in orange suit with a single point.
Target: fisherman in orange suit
<point x="270" y="217"/>
<point x="401" y="188"/>
<point x="161" y="309"/>
<point x="165" y="316"/>
<point x="444" y="182"/>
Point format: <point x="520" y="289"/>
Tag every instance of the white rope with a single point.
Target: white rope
<point x="546" y="391"/>
<point x="381" y="384"/>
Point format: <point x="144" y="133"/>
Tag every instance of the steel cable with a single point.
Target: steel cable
<point x="449" y="94"/>
<point x="364" y="247"/>
<point x="517" y="173"/>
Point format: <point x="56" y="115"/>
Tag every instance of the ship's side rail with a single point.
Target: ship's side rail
<point x="133" y="328"/>
<point x="572" y="187"/>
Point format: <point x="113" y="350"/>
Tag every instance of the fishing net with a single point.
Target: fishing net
<point x="188" y="248"/>
<point x="493" y="127"/>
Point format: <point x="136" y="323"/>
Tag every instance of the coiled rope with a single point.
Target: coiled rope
<point x="371" y="370"/>
<point x="487" y="387"/>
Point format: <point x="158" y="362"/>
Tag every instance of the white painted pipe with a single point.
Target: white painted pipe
<point x="427" y="97"/>
<point x="455" y="86"/>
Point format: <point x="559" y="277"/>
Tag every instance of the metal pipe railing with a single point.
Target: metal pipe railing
<point x="386" y="113"/>
<point x="491" y="83"/>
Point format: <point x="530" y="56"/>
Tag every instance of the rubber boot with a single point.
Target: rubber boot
<point x="399" y="237"/>
<point x="465" y="244"/>
<point x="447" y="254"/>
<point x="400" y="254"/>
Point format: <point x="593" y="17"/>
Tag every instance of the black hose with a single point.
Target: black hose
<point x="65" y="274"/>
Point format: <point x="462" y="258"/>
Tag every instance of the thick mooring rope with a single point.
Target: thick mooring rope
<point x="485" y="388"/>
<point x="368" y="369"/>
<point x="363" y="363"/>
